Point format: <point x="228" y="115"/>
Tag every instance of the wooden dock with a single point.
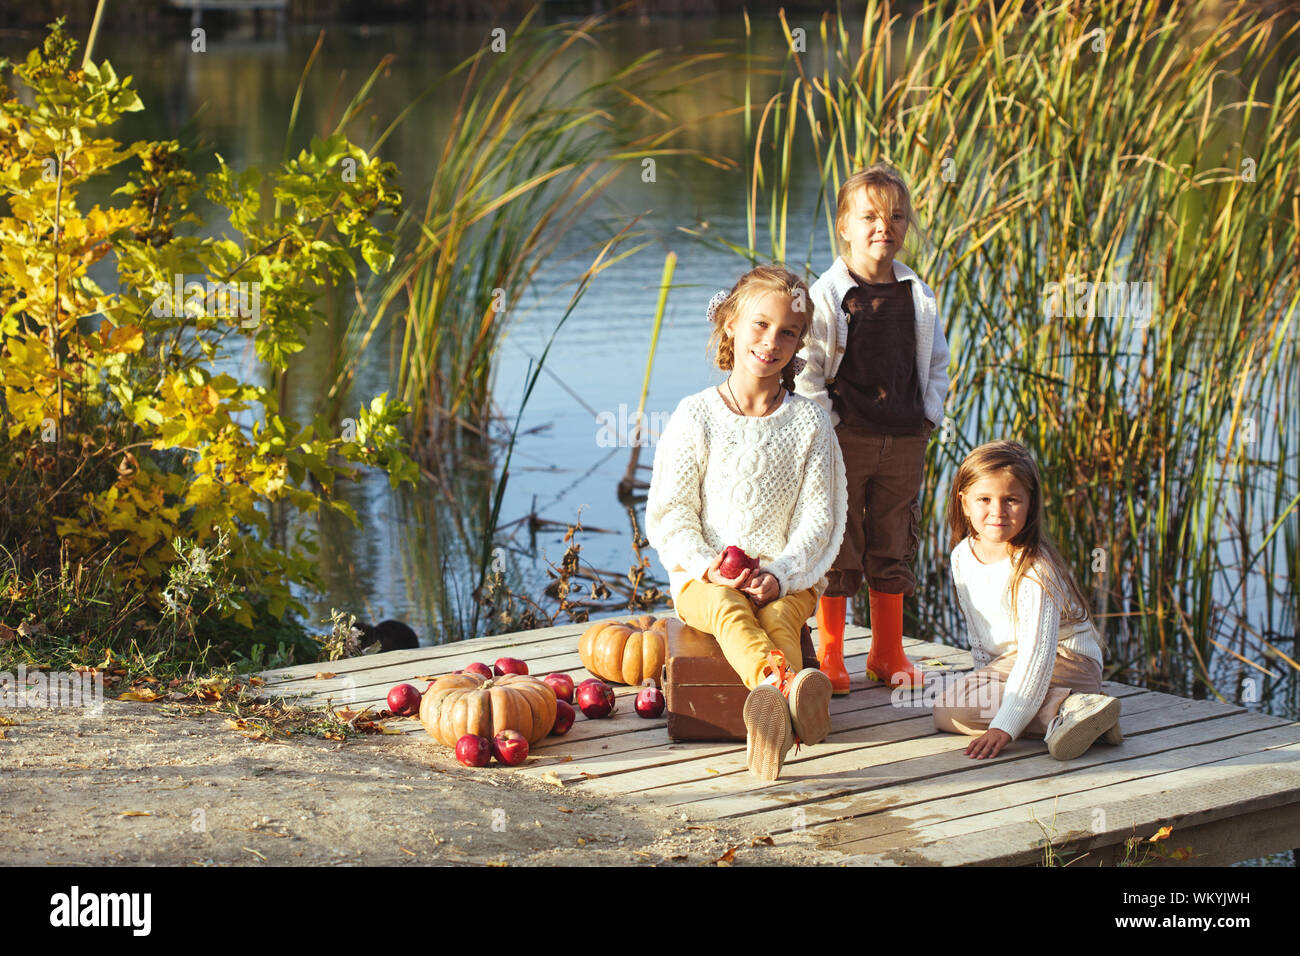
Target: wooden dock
<point x="886" y="789"/>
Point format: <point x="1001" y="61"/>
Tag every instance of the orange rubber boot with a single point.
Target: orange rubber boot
<point x="886" y="661"/>
<point x="830" y="637"/>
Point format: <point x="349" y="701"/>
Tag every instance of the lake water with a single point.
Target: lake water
<point x="408" y="560"/>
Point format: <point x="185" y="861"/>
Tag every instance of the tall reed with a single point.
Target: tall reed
<point x="532" y="146"/>
<point x="1052" y="145"/>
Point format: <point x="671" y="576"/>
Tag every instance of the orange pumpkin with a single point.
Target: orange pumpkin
<point x="460" y="704"/>
<point x="625" y="652"/>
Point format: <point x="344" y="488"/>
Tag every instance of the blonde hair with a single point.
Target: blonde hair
<point x="886" y="192"/>
<point x="751" y="286"/>
<point x="1032" y="548"/>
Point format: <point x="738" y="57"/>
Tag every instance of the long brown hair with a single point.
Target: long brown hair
<point x="749" y="287"/>
<point x="1032" y="548"/>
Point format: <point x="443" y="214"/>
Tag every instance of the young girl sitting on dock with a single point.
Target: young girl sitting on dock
<point x="1036" y="648"/>
<point x="751" y="464"/>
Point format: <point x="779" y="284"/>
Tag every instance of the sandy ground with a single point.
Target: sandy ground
<point x="137" y="786"/>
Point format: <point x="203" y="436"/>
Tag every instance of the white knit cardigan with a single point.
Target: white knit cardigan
<point x="772" y="485"/>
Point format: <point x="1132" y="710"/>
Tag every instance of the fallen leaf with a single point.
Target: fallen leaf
<point x="727" y="857"/>
<point x="7" y="721"/>
<point x="552" y="778"/>
<point x="581" y="842"/>
<point x="324" y="675"/>
<point x="256" y="681"/>
<point x="589" y="776"/>
<point x="1182" y="853"/>
<point x="1161" y="834"/>
<point x="136" y="813"/>
<point x="496" y="863"/>
<point x="711" y="770"/>
<point x="763" y="839"/>
<point x="565" y="809"/>
<point x="144" y="695"/>
<point x="681" y="856"/>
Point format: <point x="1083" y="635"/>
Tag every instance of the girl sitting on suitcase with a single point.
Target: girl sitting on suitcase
<point x="751" y="464"/>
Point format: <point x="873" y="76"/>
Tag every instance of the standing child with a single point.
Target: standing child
<point x="877" y="360"/>
<point x="751" y="464"/>
<point x="1037" y="652"/>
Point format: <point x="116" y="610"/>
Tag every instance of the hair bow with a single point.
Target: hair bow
<point x="715" y="303"/>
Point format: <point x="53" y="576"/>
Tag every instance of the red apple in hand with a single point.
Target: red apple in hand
<point x="735" y="561"/>
<point x="473" y="750"/>
<point x="510" y="747"/>
<point x="562" y="684"/>
<point x="482" y="670"/>
<point x="404" y="700"/>
<point x="509" y="665"/>
<point x="564" y="718"/>
<point x="595" y="699"/>
<point x="650" y="700"/>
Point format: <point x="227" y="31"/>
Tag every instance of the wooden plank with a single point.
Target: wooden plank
<point x="539" y="641"/>
<point x="390" y="667"/>
<point x="496" y="644"/>
<point x="661" y="752"/>
<point x="1222" y="842"/>
<point x="846" y="771"/>
<point x="371" y="685"/>
<point x="951" y="774"/>
<point x="1185" y="798"/>
<point x="844" y="749"/>
<point x="1156" y="755"/>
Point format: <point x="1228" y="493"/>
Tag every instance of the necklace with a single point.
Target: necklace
<point x="736" y="404"/>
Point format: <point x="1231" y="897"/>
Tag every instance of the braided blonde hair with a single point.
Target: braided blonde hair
<point x="751" y="286"/>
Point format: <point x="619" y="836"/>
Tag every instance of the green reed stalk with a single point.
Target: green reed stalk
<point x="1108" y="142"/>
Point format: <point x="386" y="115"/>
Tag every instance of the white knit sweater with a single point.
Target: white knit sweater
<point x="983" y="591"/>
<point x="772" y="485"/>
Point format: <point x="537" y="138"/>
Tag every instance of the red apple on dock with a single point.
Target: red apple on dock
<point x="595" y="699"/>
<point x="482" y="670"/>
<point x="509" y="665"/>
<point x="510" y="747"/>
<point x="650" y="700"/>
<point x="474" y="751"/>
<point x="735" y="561"/>
<point x="562" y="684"/>
<point x="565" y="715"/>
<point x="404" y="700"/>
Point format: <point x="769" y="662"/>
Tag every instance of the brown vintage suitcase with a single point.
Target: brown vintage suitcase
<point x="704" y="696"/>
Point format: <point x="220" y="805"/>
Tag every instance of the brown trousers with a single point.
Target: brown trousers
<point x="970" y="704"/>
<point x="882" y="531"/>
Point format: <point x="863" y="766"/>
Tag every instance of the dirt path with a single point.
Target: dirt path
<point x="136" y="786"/>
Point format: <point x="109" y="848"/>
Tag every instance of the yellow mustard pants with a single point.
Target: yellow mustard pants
<point x="744" y="632"/>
